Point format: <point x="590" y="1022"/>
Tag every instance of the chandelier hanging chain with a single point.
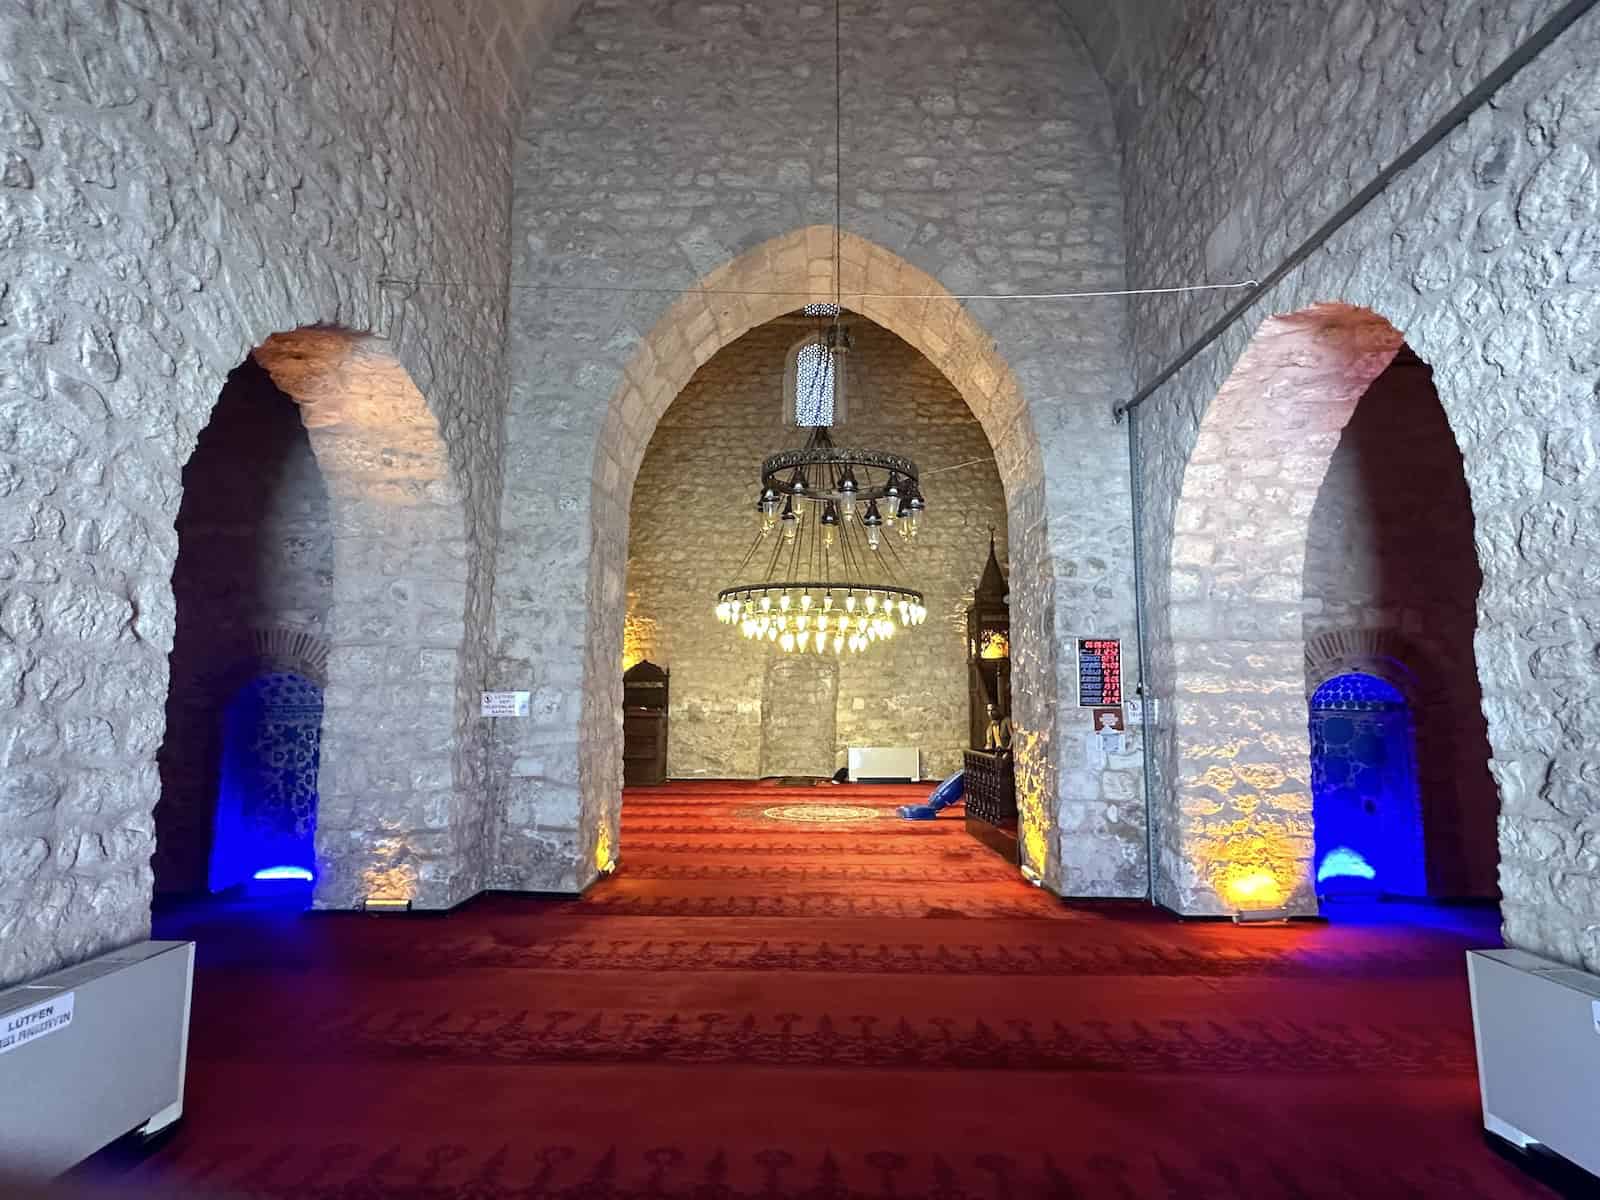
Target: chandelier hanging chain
<point x="830" y="584"/>
<point x="838" y="157"/>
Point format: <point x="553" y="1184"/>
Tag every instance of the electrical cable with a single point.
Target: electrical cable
<point x="839" y="293"/>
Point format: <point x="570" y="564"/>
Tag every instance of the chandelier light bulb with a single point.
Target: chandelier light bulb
<point x="873" y="537"/>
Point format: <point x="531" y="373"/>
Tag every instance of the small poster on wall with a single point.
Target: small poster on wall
<point x="1109" y="736"/>
<point x="1099" y="672"/>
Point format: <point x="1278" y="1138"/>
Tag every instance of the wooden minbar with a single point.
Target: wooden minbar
<point x="989" y="773"/>
<point x="644" y="725"/>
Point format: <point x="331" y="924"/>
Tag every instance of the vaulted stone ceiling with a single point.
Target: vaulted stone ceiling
<point x="1125" y="39"/>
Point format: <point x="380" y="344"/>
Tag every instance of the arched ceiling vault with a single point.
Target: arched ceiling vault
<point x="1126" y="40"/>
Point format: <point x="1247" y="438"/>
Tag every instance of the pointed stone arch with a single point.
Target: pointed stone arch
<point x="768" y="281"/>
<point x="1240" y="751"/>
<point x="396" y="628"/>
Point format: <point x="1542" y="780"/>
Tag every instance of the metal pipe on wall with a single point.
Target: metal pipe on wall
<point x="1139" y="633"/>
<point x="1526" y="52"/>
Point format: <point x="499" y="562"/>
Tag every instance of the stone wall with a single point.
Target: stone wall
<point x="182" y="181"/>
<point x="689" y="532"/>
<point x="1482" y="257"/>
<point x="255" y="554"/>
<point x="1389" y="553"/>
<point x="985" y="159"/>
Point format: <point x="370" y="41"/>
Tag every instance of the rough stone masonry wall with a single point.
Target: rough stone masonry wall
<point x="1483" y="256"/>
<point x="255" y="554"/>
<point x="180" y="181"/>
<point x="690" y="531"/>
<point x="1390" y="555"/>
<point x="979" y="155"/>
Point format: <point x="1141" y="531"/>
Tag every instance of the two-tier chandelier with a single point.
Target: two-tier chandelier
<point x="830" y="582"/>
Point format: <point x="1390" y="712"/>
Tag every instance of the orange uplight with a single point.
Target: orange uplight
<point x="1033" y="819"/>
<point x="1257" y="889"/>
<point x="604" y="859"/>
<point x="389" y="888"/>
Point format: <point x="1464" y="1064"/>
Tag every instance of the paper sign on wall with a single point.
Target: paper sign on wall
<point x="36" y="1021"/>
<point x="504" y="704"/>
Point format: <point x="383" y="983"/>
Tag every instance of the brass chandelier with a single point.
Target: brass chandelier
<point x="830" y="582"/>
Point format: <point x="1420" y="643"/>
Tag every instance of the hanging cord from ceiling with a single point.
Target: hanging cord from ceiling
<point x="796" y="294"/>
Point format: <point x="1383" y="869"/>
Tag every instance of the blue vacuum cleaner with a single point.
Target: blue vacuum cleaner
<point x="946" y="794"/>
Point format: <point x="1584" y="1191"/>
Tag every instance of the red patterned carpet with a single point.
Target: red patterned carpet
<point x="762" y="1008"/>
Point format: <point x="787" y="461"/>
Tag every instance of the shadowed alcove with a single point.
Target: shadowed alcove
<point x="253" y="587"/>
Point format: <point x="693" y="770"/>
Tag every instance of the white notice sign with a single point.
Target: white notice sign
<point x="1139" y="712"/>
<point x="505" y="704"/>
<point x="35" y="1021"/>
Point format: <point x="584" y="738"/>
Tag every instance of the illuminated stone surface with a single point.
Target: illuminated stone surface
<point x="185" y="181"/>
<point x="180" y="182"/>
<point x="987" y="157"/>
<point x="1482" y="258"/>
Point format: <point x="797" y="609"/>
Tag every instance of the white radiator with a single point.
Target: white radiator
<point x="91" y="1053"/>
<point x="885" y="763"/>
<point x="1537" y="1025"/>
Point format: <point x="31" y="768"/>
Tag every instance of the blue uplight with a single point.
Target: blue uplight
<point x="266" y="814"/>
<point x="1344" y="863"/>
<point x="1365" y="799"/>
<point x="297" y="873"/>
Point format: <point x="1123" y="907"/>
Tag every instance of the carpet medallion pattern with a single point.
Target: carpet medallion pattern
<point x="753" y="1008"/>
<point x="820" y="814"/>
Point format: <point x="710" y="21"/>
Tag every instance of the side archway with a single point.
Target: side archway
<point x="1241" y="750"/>
<point x="387" y="781"/>
<point x="762" y="284"/>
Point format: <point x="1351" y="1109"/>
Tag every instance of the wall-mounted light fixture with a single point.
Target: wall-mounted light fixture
<point x="385" y="904"/>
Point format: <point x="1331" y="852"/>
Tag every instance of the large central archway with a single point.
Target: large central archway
<point x="764" y="283"/>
